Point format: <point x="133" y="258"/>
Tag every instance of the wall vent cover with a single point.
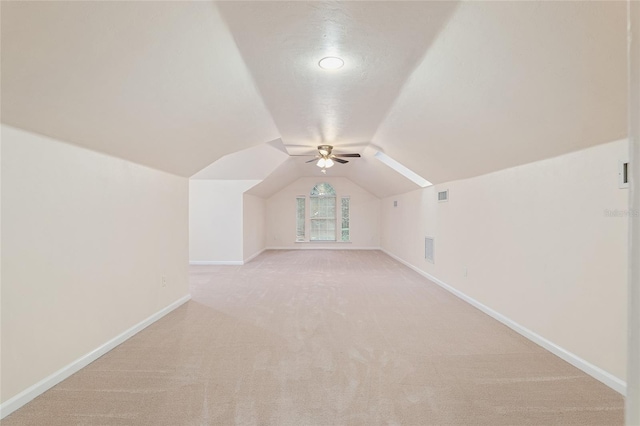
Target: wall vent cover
<point x="443" y="195"/>
<point x="428" y="249"/>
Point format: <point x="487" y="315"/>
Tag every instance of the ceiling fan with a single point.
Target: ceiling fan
<point x="325" y="158"/>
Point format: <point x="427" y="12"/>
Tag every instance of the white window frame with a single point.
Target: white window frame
<point x="337" y="219"/>
<point x="327" y="219"/>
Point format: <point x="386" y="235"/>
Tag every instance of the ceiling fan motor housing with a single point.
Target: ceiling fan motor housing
<point x="325" y="150"/>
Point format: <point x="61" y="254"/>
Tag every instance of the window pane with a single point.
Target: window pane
<point x="345" y="218"/>
<point x="323" y="207"/>
<point x="314" y="207"/>
<point x="300" y="219"/>
<point x="323" y="189"/>
<point x="323" y="229"/>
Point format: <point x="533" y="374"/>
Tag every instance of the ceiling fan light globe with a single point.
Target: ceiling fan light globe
<point x="321" y="163"/>
<point x="328" y="163"/>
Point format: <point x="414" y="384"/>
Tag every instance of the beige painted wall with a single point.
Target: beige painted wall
<point x="1" y="397"/>
<point x="216" y="219"/>
<point x="86" y="239"/>
<point x="537" y="245"/>
<point x="281" y="215"/>
<point x="632" y="408"/>
<point x="254" y="237"/>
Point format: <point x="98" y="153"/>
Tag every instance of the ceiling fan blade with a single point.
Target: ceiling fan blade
<point x="346" y="155"/>
<point x="311" y="161"/>
<point x="340" y="160"/>
<point x="303" y="155"/>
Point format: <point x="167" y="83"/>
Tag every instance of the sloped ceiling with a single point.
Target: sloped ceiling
<point x="254" y="163"/>
<point x="158" y="83"/>
<point x="450" y="90"/>
<point x="367" y="172"/>
<point x="508" y="83"/>
<point x="380" y="42"/>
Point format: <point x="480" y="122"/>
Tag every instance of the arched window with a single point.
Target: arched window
<point x="322" y="207"/>
<point x="324" y="215"/>
<point x="323" y="190"/>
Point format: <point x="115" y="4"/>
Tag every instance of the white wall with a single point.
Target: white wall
<point x="254" y="236"/>
<point x="537" y="244"/>
<point x="216" y="220"/>
<point x="1" y="381"/>
<point x="86" y="239"/>
<point x="632" y="407"/>
<point x="364" y="215"/>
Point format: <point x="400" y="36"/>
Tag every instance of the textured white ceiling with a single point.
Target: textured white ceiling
<point x="380" y="42"/>
<point x="158" y="83"/>
<point x="450" y="90"/>
<point x="254" y="163"/>
<point x="366" y="171"/>
<point x="508" y="83"/>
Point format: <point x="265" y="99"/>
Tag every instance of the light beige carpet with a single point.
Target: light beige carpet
<point x="319" y="337"/>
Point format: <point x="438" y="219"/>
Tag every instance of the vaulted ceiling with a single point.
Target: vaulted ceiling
<point x="225" y="90"/>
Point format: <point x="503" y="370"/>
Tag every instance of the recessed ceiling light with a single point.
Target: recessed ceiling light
<point x="331" y="63"/>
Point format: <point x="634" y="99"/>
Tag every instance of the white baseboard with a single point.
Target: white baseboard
<point x="47" y="383"/>
<point x="216" y="262"/>
<point x="320" y="246"/>
<point x="598" y="373"/>
<point x="253" y="256"/>
<point x="303" y="246"/>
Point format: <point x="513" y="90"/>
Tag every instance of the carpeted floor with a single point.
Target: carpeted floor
<point x="320" y="337"/>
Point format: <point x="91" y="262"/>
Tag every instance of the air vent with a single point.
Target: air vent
<point x="443" y="195"/>
<point x="428" y="249"/>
